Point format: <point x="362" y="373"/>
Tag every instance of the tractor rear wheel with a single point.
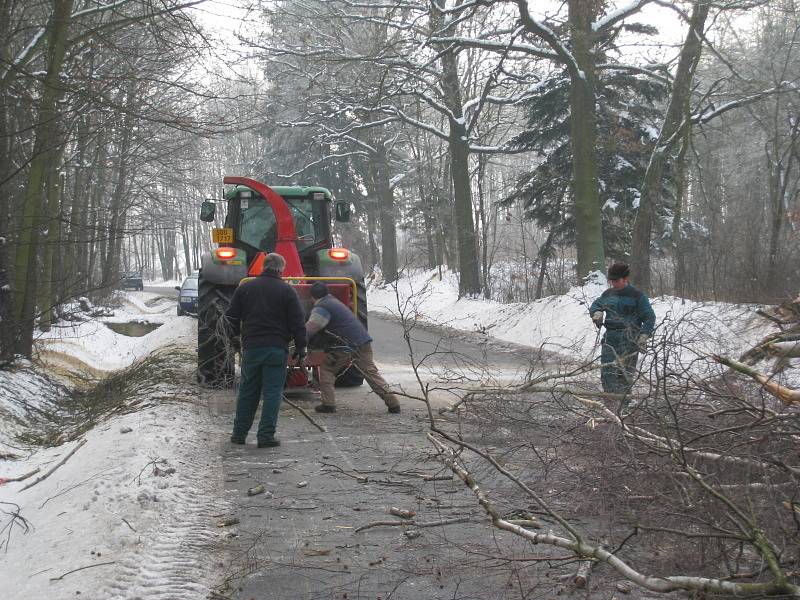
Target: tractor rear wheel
<point x="215" y="353"/>
<point x="350" y="377"/>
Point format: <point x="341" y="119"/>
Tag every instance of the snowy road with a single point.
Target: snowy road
<point x="135" y="512"/>
<point x="299" y="540"/>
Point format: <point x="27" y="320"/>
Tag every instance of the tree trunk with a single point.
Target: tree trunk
<point x="651" y="186"/>
<point x="383" y="192"/>
<point x="118" y="208"/>
<point x="469" y="283"/>
<point x="88" y="234"/>
<point x="79" y="198"/>
<point x="374" y="253"/>
<point x="677" y="221"/>
<point x="7" y="329"/>
<point x="46" y="139"/>
<point x="483" y="242"/>
<point x="52" y="241"/>
<point x="583" y="135"/>
<point x="544" y="257"/>
<point x="428" y="218"/>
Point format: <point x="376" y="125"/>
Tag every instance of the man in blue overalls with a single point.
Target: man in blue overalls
<point x="629" y="320"/>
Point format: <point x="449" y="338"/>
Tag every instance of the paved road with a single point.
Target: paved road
<point x="299" y="539"/>
<point x="169" y="292"/>
<point x="443" y="347"/>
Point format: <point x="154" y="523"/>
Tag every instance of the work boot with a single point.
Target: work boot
<point x="325" y="408"/>
<point x="394" y="409"/>
<point x="269" y="443"/>
<point x="237" y="440"/>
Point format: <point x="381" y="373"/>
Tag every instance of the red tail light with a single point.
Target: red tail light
<point x="339" y="253"/>
<point x="225" y="253"/>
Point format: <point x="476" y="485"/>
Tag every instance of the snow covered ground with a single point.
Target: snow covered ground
<point x="561" y="324"/>
<point x="93" y="343"/>
<point x="131" y="514"/>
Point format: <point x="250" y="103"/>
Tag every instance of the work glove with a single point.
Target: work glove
<point x="641" y="341"/>
<point x="597" y="318"/>
<point x="298" y="356"/>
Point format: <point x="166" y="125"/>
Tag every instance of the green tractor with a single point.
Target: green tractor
<point x="295" y="222"/>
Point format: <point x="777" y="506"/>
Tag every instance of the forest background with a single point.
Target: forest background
<point x="521" y="146"/>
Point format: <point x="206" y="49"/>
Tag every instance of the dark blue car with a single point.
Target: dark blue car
<point x="187" y="296"/>
<point x="131" y="280"/>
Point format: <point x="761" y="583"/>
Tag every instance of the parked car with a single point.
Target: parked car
<point x="131" y="280"/>
<point x="187" y="296"/>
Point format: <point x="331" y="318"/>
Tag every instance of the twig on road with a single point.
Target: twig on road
<point x="413" y="523"/>
<point x="305" y="414"/>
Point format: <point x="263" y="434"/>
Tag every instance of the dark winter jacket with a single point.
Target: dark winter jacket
<point x="267" y="311"/>
<point x="625" y="309"/>
<point x="340" y="321"/>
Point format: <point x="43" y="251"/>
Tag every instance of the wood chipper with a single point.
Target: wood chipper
<point x="295" y="222"/>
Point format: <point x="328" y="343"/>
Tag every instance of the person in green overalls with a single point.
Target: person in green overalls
<point x="629" y="320"/>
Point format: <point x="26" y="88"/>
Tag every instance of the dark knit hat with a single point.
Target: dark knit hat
<point x="319" y="290"/>
<point x="618" y="270"/>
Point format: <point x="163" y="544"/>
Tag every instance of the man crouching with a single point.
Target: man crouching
<point x="350" y="342"/>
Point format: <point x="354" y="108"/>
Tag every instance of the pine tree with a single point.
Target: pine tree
<point x="628" y="105"/>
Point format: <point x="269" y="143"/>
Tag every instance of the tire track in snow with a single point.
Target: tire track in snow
<point x="177" y="551"/>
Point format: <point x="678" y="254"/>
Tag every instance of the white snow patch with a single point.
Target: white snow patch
<point x="132" y="513"/>
<point x="610" y="204"/>
<point x="107" y="505"/>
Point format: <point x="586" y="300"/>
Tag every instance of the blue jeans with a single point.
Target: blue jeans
<point x="263" y="371"/>
<point x="618" y="357"/>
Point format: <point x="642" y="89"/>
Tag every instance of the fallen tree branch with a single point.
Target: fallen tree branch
<point x="412" y="523"/>
<point x="584" y="570"/>
<point x="589" y="551"/>
<point x="666" y="444"/>
<point x="786" y="395"/>
<point x="305" y="414"/>
<point x="56" y="466"/>
<point x="16" y="520"/>
<point x="4" y="480"/>
<point x="112" y="562"/>
<point x="787" y="349"/>
<point x="776" y="320"/>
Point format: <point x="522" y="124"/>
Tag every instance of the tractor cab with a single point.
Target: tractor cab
<point x="254" y="223"/>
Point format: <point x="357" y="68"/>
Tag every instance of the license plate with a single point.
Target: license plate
<point x="222" y="235"/>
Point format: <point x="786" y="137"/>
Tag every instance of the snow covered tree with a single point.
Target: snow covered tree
<point x="627" y="111"/>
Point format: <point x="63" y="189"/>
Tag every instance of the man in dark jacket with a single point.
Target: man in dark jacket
<point x="350" y="341"/>
<point x="267" y="311"/>
<point x="629" y="320"/>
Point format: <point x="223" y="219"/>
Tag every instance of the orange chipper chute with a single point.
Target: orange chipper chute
<point x="286" y="245"/>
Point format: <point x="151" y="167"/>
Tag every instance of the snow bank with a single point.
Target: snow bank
<point x="123" y="509"/>
<point x="132" y="513"/>
<point x="97" y="346"/>
<point x="561" y="324"/>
